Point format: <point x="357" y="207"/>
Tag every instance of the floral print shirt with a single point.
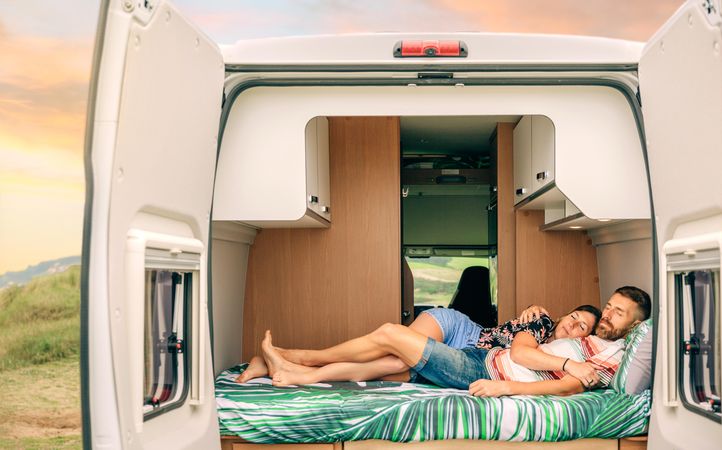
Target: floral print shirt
<point x="502" y="335"/>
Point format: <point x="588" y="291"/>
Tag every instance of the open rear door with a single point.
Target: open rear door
<point x="681" y="91"/>
<point x="151" y="143"/>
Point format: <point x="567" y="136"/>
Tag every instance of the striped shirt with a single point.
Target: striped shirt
<point x="607" y="354"/>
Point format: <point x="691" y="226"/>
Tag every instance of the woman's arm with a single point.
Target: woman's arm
<point x="525" y="351"/>
<point x="495" y="388"/>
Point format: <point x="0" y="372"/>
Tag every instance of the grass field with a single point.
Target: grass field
<point x="436" y="278"/>
<point x="39" y="363"/>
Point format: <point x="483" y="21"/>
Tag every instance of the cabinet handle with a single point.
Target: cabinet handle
<point x="326" y="209"/>
<point x="542" y="175"/>
<point x="521" y="191"/>
<point x="313" y="199"/>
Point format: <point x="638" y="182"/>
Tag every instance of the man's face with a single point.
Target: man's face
<point x="618" y="317"/>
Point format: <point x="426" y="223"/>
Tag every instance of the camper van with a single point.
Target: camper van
<point x="301" y="184"/>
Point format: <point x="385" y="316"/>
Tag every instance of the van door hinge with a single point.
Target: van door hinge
<point x="711" y="9"/>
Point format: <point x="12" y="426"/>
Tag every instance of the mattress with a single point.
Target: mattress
<point x="403" y="412"/>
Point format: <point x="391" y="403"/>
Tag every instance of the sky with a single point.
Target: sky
<point x="45" y="59"/>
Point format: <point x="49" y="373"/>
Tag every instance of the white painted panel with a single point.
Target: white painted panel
<point x="230" y="263"/>
<point x="484" y="48"/>
<point x="627" y="263"/>
<point x="594" y="150"/>
<point x="681" y="89"/>
<point x="158" y="106"/>
<point x="522" y="159"/>
<point x="312" y="193"/>
<point x="542" y="152"/>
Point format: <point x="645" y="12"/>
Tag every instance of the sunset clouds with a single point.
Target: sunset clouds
<point x="45" y="59"/>
<point x="43" y="98"/>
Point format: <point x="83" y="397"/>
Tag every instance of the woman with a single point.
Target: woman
<point x="355" y="360"/>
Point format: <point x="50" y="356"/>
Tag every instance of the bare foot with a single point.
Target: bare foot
<point x="256" y="368"/>
<point x="275" y="361"/>
<point x="288" y="378"/>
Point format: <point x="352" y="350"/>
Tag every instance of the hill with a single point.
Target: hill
<point x="43" y="268"/>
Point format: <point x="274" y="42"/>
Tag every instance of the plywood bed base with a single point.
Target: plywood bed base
<point x="632" y="443"/>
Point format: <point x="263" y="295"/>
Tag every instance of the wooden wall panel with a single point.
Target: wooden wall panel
<point x="556" y="269"/>
<point x="316" y="287"/>
<point x="506" y="223"/>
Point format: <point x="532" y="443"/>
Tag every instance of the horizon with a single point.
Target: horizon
<point x="42" y="118"/>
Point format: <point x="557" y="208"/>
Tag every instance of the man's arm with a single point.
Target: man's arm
<point x="495" y="388"/>
<point x="525" y="352"/>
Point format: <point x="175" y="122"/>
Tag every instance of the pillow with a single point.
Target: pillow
<point x="634" y="374"/>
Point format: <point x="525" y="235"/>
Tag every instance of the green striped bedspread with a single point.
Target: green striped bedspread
<point x="402" y="412"/>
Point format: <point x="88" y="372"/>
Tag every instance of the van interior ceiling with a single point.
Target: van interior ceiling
<point x="449" y="242"/>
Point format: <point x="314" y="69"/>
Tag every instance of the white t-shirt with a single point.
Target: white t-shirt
<point x="607" y="354"/>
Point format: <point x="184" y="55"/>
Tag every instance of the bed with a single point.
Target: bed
<point x="257" y="412"/>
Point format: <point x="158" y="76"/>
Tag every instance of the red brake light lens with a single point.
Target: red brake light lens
<point x="430" y="49"/>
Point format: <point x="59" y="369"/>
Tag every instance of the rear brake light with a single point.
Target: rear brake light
<point x="433" y="49"/>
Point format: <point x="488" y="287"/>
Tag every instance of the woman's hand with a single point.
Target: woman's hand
<point x="585" y="372"/>
<point x="532" y="313"/>
<point x="490" y="388"/>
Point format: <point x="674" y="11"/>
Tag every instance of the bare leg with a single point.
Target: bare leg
<point x="423" y="324"/>
<point x="428" y="326"/>
<point x="396" y="340"/>
<point x="354" y="350"/>
<point x="358" y="350"/>
<point x="256" y="368"/>
<point x="343" y="371"/>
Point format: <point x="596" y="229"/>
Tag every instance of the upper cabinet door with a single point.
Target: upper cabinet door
<point x="680" y="75"/>
<point x="151" y="146"/>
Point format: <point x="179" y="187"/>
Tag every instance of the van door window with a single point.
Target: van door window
<point x="165" y="360"/>
<point x="698" y="303"/>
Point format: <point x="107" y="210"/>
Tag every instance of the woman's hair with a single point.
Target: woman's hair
<point x="593" y="310"/>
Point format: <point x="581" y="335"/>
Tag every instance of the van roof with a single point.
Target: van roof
<point x="483" y="48"/>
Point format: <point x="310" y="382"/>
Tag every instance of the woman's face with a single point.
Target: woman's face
<point x="575" y="324"/>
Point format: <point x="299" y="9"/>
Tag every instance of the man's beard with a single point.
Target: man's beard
<point x="611" y="333"/>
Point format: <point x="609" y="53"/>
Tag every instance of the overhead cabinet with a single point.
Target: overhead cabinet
<point x="268" y="185"/>
<point x="533" y="155"/>
<point x="318" y="192"/>
<point x="580" y="180"/>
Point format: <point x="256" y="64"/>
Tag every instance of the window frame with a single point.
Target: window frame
<point x="685" y="381"/>
<point x="188" y="296"/>
<point x="149" y="250"/>
<point x="685" y="255"/>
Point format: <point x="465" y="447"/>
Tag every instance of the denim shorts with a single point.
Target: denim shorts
<point x="450" y="367"/>
<point x="458" y="330"/>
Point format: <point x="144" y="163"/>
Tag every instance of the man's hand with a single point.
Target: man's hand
<point x="532" y="313"/>
<point x="586" y="372"/>
<point x="490" y="388"/>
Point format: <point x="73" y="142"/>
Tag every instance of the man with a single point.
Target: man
<point x="487" y="373"/>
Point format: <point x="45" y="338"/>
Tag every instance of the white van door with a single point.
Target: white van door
<point x="681" y="93"/>
<point x="151" y="144"/>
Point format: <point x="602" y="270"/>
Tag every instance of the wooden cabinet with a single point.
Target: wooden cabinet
<point x="533" y="155"/>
